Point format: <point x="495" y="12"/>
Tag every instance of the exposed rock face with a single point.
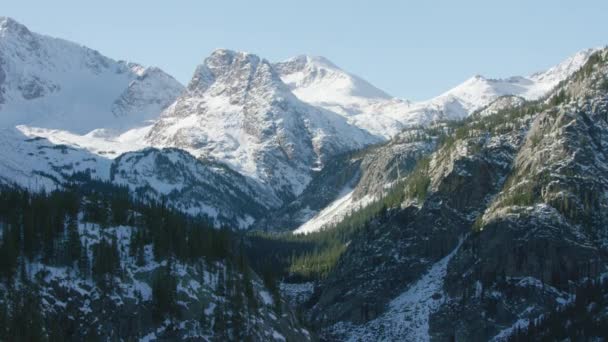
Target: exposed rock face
<point x="194" y="186"/>
<point x="143" y="92"/>
<point x="351" y="181"/>
<point x="393" y="161"/>
<point x="238" y="111"/>
<point x="342" y="172"/>
<point x="522" y="188"/>
<point x="528" y="256"/>
<point x="407" y="242"/>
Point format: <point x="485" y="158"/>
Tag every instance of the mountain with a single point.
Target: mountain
<point x="351" y="182"/>
<point x="327" y="201"/>
<point x="319" y="82"/>
<point x="194" y="186"/>
<point x="236" y="110"/>
<point x="498" y="227"/>
<point x="52" y="83"/>
<point x="78" y="112"/>
<point x="479" y="91"/>
<point x="479" y="215"/>
<point x="95" y="264"/>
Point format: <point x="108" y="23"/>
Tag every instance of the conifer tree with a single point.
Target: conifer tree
<point x="74" y="246"/>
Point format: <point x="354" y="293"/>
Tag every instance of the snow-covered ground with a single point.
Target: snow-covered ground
<point x="101" y="142"/>
<point x="407" y="316"/>
<point x="334" y="212"/>
<point x="37" y="164"/>
<point x="63" y="289"/>
<point x="52" y="83"/>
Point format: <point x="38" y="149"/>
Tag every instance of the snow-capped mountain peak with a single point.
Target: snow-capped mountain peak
<point x="8" y="24"/>
<point x="238" y="110"/>
<point x="320" y="82"/>
<point x="235" y="73"/>
<point x="308" y="75"/>
<point x="53" y="83"/>
<point x="479" y="91"/>
<point x="548" y="79"/>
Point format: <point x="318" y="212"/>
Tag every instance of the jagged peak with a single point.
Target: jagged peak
<point x="10" y="25"/>
<point x="230" y="65"/>
<point x="221" y="58"/>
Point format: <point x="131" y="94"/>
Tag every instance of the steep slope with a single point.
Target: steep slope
<point x="79" y="112"/>
<point x="182" y="181"/>
<point x="193" y="186"/>
<point x="479" y="91"/>
<point x="52" y="83"/>
<point x="94" y="265"/>
<point x="321" y="83"/>
<point x="237" y="110"/>
<point x="353" y="181"/>
<point x="552" y="212"/>
<point x="501" y="222"/>
<point x="37" y="164"/>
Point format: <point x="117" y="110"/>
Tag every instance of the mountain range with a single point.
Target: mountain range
<point x="276" y="124"/>
<point x="342" y="213"/>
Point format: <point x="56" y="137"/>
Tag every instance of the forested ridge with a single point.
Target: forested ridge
<point x="41" y="232"/>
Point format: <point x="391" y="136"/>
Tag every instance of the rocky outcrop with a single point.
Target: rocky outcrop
<point x="238" y="111"/>
<point x="192" y="185"/>
<point x="521" y="188"/>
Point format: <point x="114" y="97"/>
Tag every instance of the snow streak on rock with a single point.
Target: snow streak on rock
<point x="407" y="317"/>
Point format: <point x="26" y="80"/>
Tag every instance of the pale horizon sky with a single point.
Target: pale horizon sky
<point x="411" y="49"/>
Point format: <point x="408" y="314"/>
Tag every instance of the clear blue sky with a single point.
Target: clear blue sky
<point x="411" y="49"/>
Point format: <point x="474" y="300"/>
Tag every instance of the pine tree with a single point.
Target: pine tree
<point x="73" y="246"/>
<point x="83" y="262"/>
<point x="203" y="321"/>
<point x="164" y="295"/>
<point x="8" y="254"/>
<point x="219" y="323"/>
<point x="249" y="292"/>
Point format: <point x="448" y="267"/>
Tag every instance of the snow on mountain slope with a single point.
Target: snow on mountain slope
<point x="238" y="111"/>
<point x="99" y="142"/>
<point x="193" y="186"/>
<point x="306" y="74"/>
<point x="479" y="91"/>
<point x="197" y="187"/>
<point x="547" y="80"/>
<point x="52" y="83"/>
<point x="37" y="164"/>
<point x="407" y="317"/>
<point x="334" y="212"/>
<point x="319" y="82"/>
